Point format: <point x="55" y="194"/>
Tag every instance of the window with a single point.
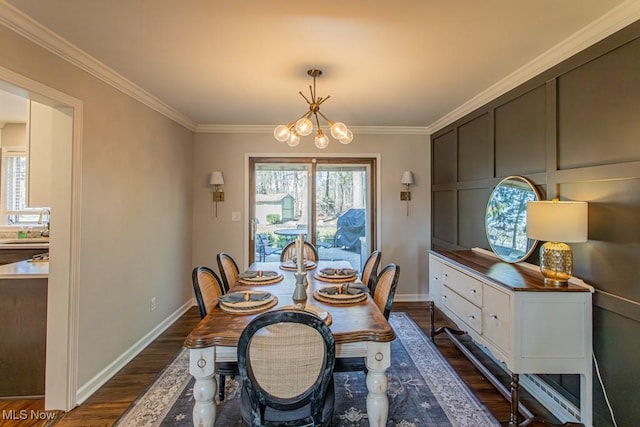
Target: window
<point x="14" y="189"/>
<point x="329" y="200"/>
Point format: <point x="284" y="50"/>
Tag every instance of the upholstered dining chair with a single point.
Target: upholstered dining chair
<point x="382" y="294"/>
<point x="208" y="288"/>
<point x="286" y="364"/>
<point x="370" y="270"/>
<point x="228" y="270"/>
<point x="289" y="252"/>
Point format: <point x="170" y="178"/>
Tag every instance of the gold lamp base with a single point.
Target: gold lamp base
<point x="556" y="263"/>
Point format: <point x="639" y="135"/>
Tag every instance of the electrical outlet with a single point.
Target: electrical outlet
<point x="152" y="304"/>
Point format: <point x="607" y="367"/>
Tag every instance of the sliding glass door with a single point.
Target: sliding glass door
<point x="328" y="200"/>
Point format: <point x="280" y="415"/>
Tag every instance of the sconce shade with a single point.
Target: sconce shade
<point x="407" y="177"/>
<point x="216" y="178"/>
<point x="557" y="221"/>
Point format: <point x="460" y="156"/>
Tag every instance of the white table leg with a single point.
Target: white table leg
<point x="378" y="360"/>
<point x="202" y="367"/>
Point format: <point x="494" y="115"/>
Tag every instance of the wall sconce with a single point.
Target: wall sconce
<point x="556" y="222"/>
<point x="407" y="180"/>
<point x="218" y="195"/>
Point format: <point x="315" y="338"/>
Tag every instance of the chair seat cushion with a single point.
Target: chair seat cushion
<point x="227" y="368"/>
<point x="275" y="416"/>
<point x="350" y="364"/>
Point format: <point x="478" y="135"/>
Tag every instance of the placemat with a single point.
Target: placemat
<point x="334" y="279"/>
<point x="239" y="310"/>
<point x="328" y="300"/>
<point x="262" y="281"/>
<point x="318" y="312"/>
<point x="292" y="266"/>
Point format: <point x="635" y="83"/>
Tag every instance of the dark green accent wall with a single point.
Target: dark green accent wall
<point x="574" y="130"/>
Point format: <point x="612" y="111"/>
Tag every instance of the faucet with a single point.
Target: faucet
<point x="43" y="212"/>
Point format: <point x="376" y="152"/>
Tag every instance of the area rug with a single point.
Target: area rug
<point x="423" y="390"/>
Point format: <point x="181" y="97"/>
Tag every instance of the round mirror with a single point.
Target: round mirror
<point x="506" y="218"/>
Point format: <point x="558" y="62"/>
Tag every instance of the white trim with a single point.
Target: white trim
<point x="411" y="297"/>
<point x="357" y="130"/>
<point x="614" y="20"/>
<point x="62" y="302"/>
<point x="32" y="30"/>
<point x="91" y="386"/>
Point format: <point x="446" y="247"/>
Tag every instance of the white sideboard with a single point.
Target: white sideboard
<point x="530" y="327"/>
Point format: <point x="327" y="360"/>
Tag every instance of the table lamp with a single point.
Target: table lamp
<point x="557" y="223"/>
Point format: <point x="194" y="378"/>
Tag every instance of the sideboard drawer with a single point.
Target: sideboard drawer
<point x="496" y="318"/>
<point x="465" y="285"/>
<point x="467" y="312"/>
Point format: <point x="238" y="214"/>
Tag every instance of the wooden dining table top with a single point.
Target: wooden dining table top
<point x="350" y="322"/>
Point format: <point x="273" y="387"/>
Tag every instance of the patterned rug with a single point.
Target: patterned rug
<point x="423" y="391"/>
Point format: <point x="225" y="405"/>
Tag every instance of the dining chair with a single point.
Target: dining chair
<point x="383" y="294"/>
<point x="370" y="270"/>
<point x="286" y="362"/>
<point x="384" y="289"/>
<point x="228" y="270"/>
<point x="289" y="252"/>
<point x="208" y="288"/>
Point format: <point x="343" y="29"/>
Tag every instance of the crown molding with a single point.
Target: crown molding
<point x="362" y="130"/>
<point x="614" y="20"/>
<point x="32" y="30"/>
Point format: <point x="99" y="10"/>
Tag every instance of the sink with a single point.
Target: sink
<point x="34" y="240"/>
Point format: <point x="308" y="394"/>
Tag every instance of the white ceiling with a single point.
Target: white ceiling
<point x="404" y="63"/>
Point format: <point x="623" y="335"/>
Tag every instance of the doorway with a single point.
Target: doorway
<point x="331" y="201"/>
<point x="62" y="294"/>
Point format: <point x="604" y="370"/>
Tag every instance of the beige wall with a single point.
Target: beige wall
<point x="14" y="135"/>
<point x="403" y="240"/>
<point x="136" y="204"/>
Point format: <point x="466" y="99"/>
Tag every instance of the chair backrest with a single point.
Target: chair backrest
<point x="289" y="252"/>
<point x="207" y="287"/>
<point x="286" y="360"/>
<point x="228" y="270"/>
<point x="385" y="288"/>
<point x="370" y="269"/>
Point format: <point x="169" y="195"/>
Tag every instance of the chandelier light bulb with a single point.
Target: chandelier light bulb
<point x="321" y="140"/>
<point x="338" y="130"/>
<point x="293" y="140"/>
<point x="347" y="138"/>
<point x="304" y="126"/>
<point x="282" y="133"/>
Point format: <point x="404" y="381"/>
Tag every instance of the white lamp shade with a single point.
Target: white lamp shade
<point x="557" y="221"/>
<point x="216" y="178"/>
<point x="407" y="177"/>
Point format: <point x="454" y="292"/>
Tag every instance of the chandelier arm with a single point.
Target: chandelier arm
<point x="305" y="98"/>
<point x="317" y="120"/>
<point x="321" y="100"/>
<point x="325" y="117"/>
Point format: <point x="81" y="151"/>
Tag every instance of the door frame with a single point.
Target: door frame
<point x="61" y="370"/>
<point x="374" y="228"/>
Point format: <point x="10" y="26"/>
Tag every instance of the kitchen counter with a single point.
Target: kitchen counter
<point x="25" y="270"/>
<point x="34" y="243"/>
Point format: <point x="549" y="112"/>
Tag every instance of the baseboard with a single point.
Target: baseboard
<point x="91" y="386"/>
<point x="411" y="297"/>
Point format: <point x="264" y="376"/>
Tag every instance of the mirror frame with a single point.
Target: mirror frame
<point x="532" y="245"/>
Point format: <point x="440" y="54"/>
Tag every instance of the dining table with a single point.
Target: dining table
<point x="360" y="330"/>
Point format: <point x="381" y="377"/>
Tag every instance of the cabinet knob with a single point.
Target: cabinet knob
<point x="435" y="277"/>
<point x="444" y="297"/>
<point x="494" y="316"/>
<point x="473" y="291"/>
<point x="471" y="317"/>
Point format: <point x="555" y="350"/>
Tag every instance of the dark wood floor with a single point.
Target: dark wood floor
<point x="105" y="406"/>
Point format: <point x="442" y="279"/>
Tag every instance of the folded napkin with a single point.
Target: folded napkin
<point x="253" y="274"/>
<point x="347" y="288"/>
<point x="339" y="271"/>
<point x="236" y="297"/>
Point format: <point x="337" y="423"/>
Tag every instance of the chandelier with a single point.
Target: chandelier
<point x="292" y="132"/>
